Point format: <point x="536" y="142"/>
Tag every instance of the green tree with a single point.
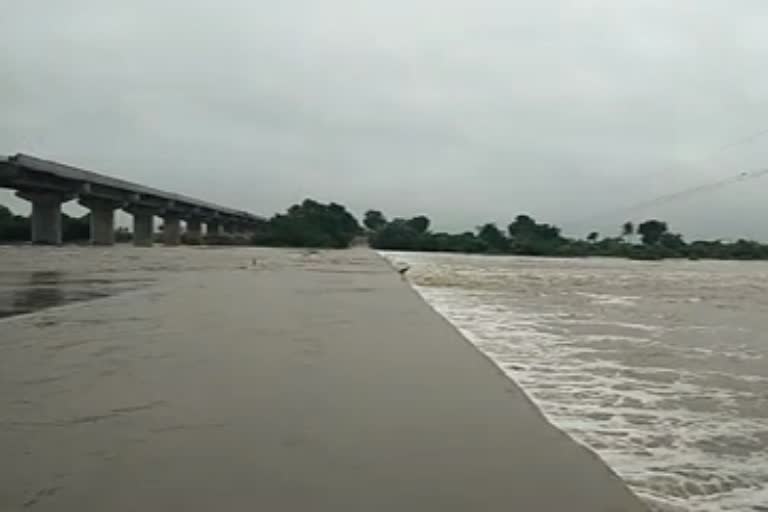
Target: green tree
<point x="468" y="242"/>
<point x="593" y="236"/>
<point x="525" y="228"/>
<point x="492" y="236"/>
<point x="627" y="229"/>
<point x="522" y="226"/>
<point x="532" y="238"/>
<point x="5" y="214"/>
<point x="420" y="223"/>
<point x="651" y="231"/>
<point x="672" y="241"/>
<point x="310" y="224"/>
<point x="398" y="235"/>
<point x="374" y="220"/>
<point x="610" y="247"/>
<point x="747" y="250"/>
<point x="344" y="222"/>
<point x="13" y="228"/>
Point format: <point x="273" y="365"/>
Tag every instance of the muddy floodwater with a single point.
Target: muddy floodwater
<point x="35" y="278"/>
<point x="202" y="379"/>
<point x="660" y="367"/>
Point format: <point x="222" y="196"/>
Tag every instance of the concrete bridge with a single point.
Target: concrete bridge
<point x="47" y="185"/>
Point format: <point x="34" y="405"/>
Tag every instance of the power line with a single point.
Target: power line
<point x="697" y="189"/>
<point x="739" y="142"/>
<point x="682" y="194"/>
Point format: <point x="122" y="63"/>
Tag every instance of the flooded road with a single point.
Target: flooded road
<point x="70" y="398"/>
<point x="661" y="368"/>
<point x="257" y="379"/>
<point x="34" y="278"/>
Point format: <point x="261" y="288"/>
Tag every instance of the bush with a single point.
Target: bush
<point x="309" y="224"/>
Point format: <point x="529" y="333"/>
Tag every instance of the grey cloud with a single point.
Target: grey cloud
<point x="463" y="110"/>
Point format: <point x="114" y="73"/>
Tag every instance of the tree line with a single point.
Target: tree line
<point x="649" y="240"/>
<point x="309" y="224"/>
<point x="315" y="224"/>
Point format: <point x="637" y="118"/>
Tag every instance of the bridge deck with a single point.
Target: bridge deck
<point x="41" y="169"/>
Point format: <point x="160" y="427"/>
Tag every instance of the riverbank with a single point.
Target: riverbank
<point x="274" y="380"/>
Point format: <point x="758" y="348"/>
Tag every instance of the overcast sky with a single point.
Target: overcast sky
<point x="466" y="111"/>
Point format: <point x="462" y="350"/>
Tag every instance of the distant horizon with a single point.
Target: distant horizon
<point x="124" y="220"/>
<point x="568" y="226"/>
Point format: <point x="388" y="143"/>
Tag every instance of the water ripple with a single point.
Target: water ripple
<point x="661" y="370"/>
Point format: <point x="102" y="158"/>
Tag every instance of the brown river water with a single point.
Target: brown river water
<point x="660" y="367"/>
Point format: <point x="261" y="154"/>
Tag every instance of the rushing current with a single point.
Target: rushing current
<point x="659" y="367"/>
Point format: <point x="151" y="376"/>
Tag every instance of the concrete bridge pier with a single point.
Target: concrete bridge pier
<point x="102" y="219"/>
<point x="229" y="228"/>
<point x="213" y="228"/>
<point x="143" y="225"/>
<point x="241" y="230"/>
<point x="171" y="229"/>
<point x="143" y="229"/>
<point x="46" y="215"/>
<point x="246" y="230"/>
<point x="194" y="230"/>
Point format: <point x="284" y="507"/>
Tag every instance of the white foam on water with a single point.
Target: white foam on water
<point x="678" y="437"/>
<point x="610" y="300"/>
